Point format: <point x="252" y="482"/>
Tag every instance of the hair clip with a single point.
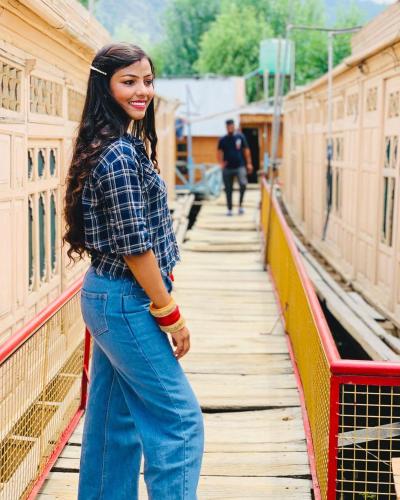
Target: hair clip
<point x="98" y="70"/>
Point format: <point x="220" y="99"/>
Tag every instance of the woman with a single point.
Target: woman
<point x="116" y="210"/>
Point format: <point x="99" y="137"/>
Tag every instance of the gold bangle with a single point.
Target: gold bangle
<point x="162" y="311"/>
<point x="175" y="327"/>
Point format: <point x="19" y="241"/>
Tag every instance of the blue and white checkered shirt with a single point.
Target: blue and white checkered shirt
<point x="125" y="210"/>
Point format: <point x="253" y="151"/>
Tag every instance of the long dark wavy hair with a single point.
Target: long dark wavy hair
<point x="103" y="121"/>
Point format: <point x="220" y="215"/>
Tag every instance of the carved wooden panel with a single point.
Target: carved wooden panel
<point x="339" y="109"/>
<point x="18" y="152"/>
<point x="352" y="104"/>
<point x="44" y="216"/>
<point x="394" y="104"/>
<point x="389" y="189"/>
<point x="5" y="166"/>
<point x="31" y="159"/>
<point x="76" y="101"/>
<point x="20" y="252"/>
<point x="6" y="257"/>
<point x="391" y="151"/>
<point x="43" y="162"/>
<point x="10" y="87"/>
<point x="45" y="97"/>
<point x="372" y="99"/>
<point x="338" y="148"/>
<point x="317" y="112"/>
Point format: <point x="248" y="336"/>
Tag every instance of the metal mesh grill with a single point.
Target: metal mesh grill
<point x="368" y="440"/>
<point x="305" y="338"/>
<point x="39" y="392"/>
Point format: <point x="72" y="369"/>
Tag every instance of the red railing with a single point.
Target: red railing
<point x="352" y="407"/>
<point x="43" y="389"/>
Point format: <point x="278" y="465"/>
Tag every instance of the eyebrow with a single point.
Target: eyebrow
<point x="137" y="76"/>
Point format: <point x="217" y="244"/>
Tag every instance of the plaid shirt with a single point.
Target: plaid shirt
<point x="125" y="210"/>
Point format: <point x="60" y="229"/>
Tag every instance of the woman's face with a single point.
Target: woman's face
<point x="132" y="88"/>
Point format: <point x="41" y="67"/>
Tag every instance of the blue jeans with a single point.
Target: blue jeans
<point x="140" y="401"/>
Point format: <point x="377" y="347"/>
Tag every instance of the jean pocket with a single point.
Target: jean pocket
<point x="93" y="306"/>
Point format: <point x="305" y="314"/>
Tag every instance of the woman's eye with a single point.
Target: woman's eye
<point x="148" y="83"/>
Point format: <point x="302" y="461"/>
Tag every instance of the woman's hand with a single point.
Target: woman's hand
<point x="181" y="340"/>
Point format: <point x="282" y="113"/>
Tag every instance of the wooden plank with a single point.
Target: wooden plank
<point x="242" y="226"/>
<point x="263" y="430"/>
<point x="219" y="247"/>
<point x="63" y="486"/>
<point x="195" y="362"/>
<point x="244" y="391"/>
<point x="238" y="366"/>
<point x="396" y="475"/>
<point x="182" y="231"/>
<point x="245" y="329"/>
<point x="255" y="464"/>
<point x="379" y="344"/>
<point x="222" y="296"/>
<point x="224" y="238"/>
<point x="366" y="308"/>
<point x="192" y="275"/>
<point x="240" y="488"/>
<point x="353" y="323"/>
<point x="268" y="319"/>
<point x="260" y="286"/>
<point x="231" y="464"/>
<point x="208" y="343"/>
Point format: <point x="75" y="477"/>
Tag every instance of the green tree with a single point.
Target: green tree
<point x="231" y="45"/>
<point x="185" y="22"/>
<point x="347" y="16"/>
<point x="310" y="46"/>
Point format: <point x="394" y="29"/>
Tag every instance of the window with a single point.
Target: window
<point x="337" y="186"/>
<point x="388" y="210"/>
<point x="52" y="162"/>
<point x="394" y="104"/>
<point x="30" y="165"/>
<point x="337" y="174"/>
<point x="391" y="151"/>
<point x="389" y="188"/>
<point x="53" y="233"/>
<point x="41" y="163"/>
<point x="30" y="239"/>
<point x="372" y="99"/>
<point x="42" y="238"/>
<point x="43" y="171"/>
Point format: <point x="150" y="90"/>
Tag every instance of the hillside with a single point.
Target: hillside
<point x="140" y="21"/>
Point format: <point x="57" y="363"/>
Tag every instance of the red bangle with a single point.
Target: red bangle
<point x="171" y="276"/>
<point x="170" y="319"/>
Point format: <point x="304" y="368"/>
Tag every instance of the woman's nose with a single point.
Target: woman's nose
<point x="141" y="88"/>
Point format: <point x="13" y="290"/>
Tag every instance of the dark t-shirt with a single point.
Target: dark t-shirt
<point x="232" y="146"/>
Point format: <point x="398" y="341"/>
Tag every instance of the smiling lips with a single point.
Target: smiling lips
<point x="140" y="105"/>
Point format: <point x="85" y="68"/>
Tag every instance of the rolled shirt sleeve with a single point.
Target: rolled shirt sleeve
<point x="122" y="189"/>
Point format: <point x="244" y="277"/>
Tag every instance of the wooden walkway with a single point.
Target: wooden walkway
<point x="238" y="366"/>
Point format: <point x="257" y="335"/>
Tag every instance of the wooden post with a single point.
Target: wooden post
<point x="396" y="476"/>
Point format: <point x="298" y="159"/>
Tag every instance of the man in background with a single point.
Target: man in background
<point x="235" y="160"/>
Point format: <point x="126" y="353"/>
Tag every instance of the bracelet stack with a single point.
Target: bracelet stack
<point x="168" y="317"/>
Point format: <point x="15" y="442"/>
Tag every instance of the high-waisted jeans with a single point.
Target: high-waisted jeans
<point x="140" y="401"/>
